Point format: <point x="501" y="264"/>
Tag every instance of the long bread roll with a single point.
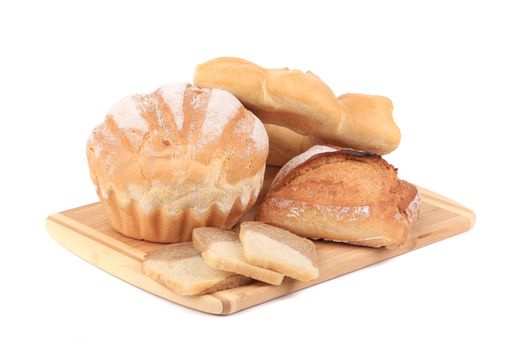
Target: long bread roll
<point x="303" y="103"/>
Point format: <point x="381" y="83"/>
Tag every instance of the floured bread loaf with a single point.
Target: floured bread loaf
<point x="304" y="103"/>
<point x="342" y="195"/>
<point x="222" y="250"/>
<point x="280" y="250"/>
<point x="181" y="268"/>
<point x="175" y="159"/>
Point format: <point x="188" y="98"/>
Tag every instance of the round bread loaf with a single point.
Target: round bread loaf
<point x="178" y="158"/>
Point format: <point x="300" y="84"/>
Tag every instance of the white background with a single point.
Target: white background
<point x="444" y="65"/>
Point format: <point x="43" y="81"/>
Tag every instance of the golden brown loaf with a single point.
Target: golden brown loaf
<point x="304" y="103"/>
<point x="178" y="158"/>
<point x="342" y="195"/>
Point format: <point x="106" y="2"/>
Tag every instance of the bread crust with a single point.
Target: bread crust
<point x="178" y="158"/>
<point x="154" y="267"/>
<point x="305" y="104"/>
<point x="204" y="239"/>
<point x="342" y="195"/>
<point x="284" y="144"/>
<point x="257" y="239"/>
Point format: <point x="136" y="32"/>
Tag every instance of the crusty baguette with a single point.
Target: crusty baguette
<point x="222" y="250"/>
<point x="304" y="103"/>
<point x="280" y="250"/>
<point x="180" y="268"/>
<point x="342" y="195"/>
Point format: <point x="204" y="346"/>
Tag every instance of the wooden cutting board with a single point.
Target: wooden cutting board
<point x="86" y="232"/>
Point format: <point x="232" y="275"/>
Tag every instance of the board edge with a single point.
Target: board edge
<point x="217" y="305"/>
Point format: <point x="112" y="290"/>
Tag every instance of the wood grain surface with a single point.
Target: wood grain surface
<point x="86" y="232"/>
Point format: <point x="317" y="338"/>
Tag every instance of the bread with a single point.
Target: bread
<point x="180" y="268"/>
<point x="280" y="250"/>
<point x="178" y="158"/>
<point x="284" y="144"/>
<point x="342" y="195"/>
<point x="222" y="250"/>
<point x="304" y="103"/>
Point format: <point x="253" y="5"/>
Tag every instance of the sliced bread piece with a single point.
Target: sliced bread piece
<point x="280" y="250"/>
<point x="222" y="250"/>
<point x="181" y="268"/>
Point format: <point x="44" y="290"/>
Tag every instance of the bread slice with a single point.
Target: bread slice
<point x="280" y="250"/>
<point x="181" y="268"/>
<point x="222" y="250"/>
<point x="342" y="195"/>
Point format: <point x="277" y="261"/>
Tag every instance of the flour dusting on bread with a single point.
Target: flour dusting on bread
<point x="256" y="134"/>
<point x="301" y="158"/>
<point x="259" y="135"/>
<point x="127" y="115"/>
<point x="222" y="107"/>
<point x="339" y="211"/>
<point x="296" y="208"/>
<point x="100" y="137"/>
<point x="412" y="210"/>
<point x="173" y="96"/>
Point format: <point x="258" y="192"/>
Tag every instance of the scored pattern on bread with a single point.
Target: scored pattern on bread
<point x="304" y="103"/>
<point x="222" y="250"/>
<point x="342" y="195"/>
<point x="280" y="250"/>
<point x="181" y="268"/>
<point x="171" y="160"/>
